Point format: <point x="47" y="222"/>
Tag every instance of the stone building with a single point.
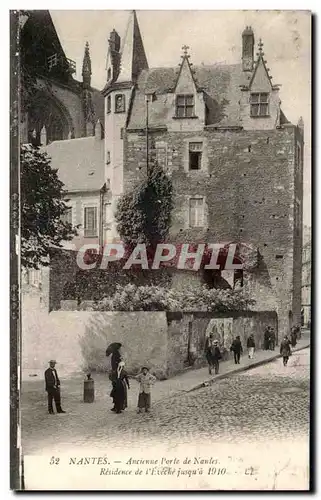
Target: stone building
<point x="54" y="105"/>
<point x="306" y="277"/>
<point x="235" y="161"/>
<point x="65" y="117"/>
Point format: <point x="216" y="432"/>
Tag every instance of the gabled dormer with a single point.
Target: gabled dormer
<point x="188" y="107"/>
<point x="260" y="102"/>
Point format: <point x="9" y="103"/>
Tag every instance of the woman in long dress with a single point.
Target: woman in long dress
<point x="119" y="392"/>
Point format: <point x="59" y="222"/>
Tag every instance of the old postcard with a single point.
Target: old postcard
<point x="160" y="250"/>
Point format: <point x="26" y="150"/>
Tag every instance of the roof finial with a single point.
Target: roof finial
<point x="86" y="66"/>
<point x="260" y="53"/>
<point x="185" y="49"/>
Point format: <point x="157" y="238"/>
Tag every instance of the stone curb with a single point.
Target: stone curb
<point x="209" y="382"/>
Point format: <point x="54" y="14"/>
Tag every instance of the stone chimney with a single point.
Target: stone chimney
<point x="248" y="49"/>
<point x="113" y="66"/>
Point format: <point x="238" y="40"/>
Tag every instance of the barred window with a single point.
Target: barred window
<point x="184" y="106"/>
<point x="196" y="212"/>
<point x="259" y="104"/>
<point x="90" y="226"/>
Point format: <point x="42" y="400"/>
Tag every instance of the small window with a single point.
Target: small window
<point x="184" y="106"/>
<point x="122" y="133"/>
<point x="108" y="104"/>
<point x="108" y="157"/>
<point x="259" y="104"/>
<point x="67" y="216"/>
<point x="120" y="103"/>
<point x="90" y="218"/>
<point x="196" y="212"/>
<point x="108" y="74"/>
<point x="195" y="155"/>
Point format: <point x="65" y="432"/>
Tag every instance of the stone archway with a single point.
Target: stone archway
<point x="47" y="111"/>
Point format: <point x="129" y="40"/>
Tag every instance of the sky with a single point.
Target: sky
<point x="213" y="37"/>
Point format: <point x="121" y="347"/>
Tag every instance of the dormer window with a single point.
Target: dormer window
<point x="259" y="104"/>
<point x="108" y="74"/>
<point x="184" y="106"/>
<point x="120" y="103"/>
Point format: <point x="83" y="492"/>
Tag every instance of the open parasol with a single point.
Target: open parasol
<point x="115" y="346"/>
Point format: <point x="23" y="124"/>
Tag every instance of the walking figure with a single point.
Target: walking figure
<point x="285" y="350"/>
<point x="251" y="346"/>
<point x="209" y="350"/>
<point x="145" y="379"/>
<point x="294" y="336"/>
<point x="272" y="339"/>
<point x="237" y="349"/>
<point x="216" y="356"/>
<point x="267" y="338"/>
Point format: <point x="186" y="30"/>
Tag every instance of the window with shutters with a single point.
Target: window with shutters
<point x="90" y="222"/>
<point x="259" y="104"/>
<point x="67" y="216"/>
<point x="184" y="106"/>
<point x="196" y="212"/>
<point x="195" y="155"/>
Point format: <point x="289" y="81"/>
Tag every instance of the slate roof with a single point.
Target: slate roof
<point x="221" y="84"/>
<point x="99" y="105"/>
<point x="80" y="162"/>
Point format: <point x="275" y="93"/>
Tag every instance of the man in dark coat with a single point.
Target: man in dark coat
<point x="285" y="350"/>
<point x="216" y="356"/>
<point x="267" y="338"/>
<point x="272" y="339"/>
<point x="237" y="349"/>
<point x="209" y="349"/>
<point x="53" y="388"/>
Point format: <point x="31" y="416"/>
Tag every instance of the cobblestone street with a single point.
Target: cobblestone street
<point x="265" y="403"/>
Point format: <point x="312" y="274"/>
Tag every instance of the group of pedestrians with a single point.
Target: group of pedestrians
<point x="213" y="352"/>
<point x="120" y="384"/>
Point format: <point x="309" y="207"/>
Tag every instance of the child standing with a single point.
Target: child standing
<point x="145" y="379"/>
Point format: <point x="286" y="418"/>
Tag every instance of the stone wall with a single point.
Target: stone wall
<point x="78" y="339"/>
<point x="166" y="342"/>
<point x="187" y="335"/>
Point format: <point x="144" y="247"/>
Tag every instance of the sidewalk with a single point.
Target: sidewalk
<point x="192" y="380"/>
<point x="188" y="381"/>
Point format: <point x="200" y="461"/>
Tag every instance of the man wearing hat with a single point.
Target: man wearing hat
<point x="53" y="387"/>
